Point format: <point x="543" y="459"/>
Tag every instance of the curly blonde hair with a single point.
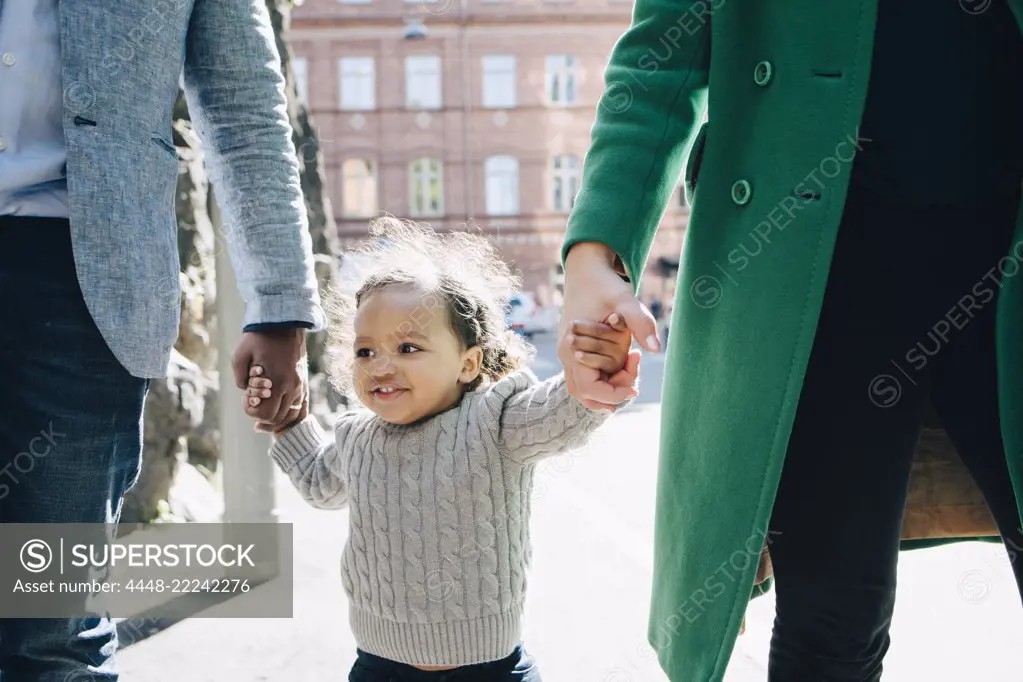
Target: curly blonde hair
<point x="460" y="271"/>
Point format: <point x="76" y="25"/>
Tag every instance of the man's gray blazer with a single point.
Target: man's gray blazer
<point x="122" y="62"/>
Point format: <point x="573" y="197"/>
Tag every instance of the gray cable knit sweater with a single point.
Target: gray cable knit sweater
<point x="438" y="549"/>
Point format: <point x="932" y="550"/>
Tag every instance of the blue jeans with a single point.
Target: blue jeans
<point x="518" y="666"/>
<point x="70" y="435"/>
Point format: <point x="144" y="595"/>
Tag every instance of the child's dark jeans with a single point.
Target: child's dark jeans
<point x="516" y="667"/>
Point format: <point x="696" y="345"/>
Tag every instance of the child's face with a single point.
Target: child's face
<point x="409" y="364"/>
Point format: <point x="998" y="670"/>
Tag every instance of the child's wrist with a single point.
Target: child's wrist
<point x="282" y="431"/>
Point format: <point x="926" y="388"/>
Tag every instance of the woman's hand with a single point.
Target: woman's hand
<point x="593" y="291"/>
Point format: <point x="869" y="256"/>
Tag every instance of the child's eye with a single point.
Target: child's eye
<point x="407" y="348"/>
<point x="363" y="353"/>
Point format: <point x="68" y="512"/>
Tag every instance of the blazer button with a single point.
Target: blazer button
<point x="762" y="73"/>
<point x="741" y="192"/>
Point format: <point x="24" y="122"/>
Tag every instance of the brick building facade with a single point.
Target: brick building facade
<point x="458" y="112"/>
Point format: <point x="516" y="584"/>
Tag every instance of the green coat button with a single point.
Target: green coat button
<point x="741" y="192"/>
<point x="762" y="74"/>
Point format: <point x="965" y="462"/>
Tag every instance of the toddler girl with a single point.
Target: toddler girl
<point x="437" y="470"/>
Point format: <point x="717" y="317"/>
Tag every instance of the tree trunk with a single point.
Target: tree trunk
<point x="322" y="228"/>
<point x="180" y="436"/>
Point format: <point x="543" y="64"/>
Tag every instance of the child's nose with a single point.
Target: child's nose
<point x="381" y="366"/>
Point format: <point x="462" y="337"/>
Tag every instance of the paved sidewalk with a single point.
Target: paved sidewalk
<point x="958" y="617"/>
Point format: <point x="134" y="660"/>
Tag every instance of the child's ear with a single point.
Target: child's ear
<point x="472" y="364"/>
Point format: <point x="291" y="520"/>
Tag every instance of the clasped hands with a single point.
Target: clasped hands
<point x="274" y="358"/>
<point x="600" y="317"/>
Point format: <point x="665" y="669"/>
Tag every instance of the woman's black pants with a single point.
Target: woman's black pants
<point x="909" y="314"/>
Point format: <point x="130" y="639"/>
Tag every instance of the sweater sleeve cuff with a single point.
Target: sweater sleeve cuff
<point x="298" y="442"/>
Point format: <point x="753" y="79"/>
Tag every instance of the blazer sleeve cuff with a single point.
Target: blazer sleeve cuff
<point x="275" y="326"/>
<point x="286" y="308"/>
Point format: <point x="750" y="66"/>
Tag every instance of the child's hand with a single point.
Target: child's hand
<point x="601" y="346"/>
<point x="260" y="388"/>
<point x="605" y="346"/>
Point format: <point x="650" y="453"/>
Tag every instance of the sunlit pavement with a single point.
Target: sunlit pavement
<point x="958" y="617"/>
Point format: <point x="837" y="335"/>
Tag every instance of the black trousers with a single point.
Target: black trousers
<point x="909" y="313"/>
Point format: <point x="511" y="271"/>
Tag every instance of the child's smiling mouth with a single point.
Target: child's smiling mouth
<point x="387" y="393"/>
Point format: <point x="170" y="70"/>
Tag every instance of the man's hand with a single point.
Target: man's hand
<point x="593" y="291"/>
<point x="261" y="388"/>
<point x="282" y="355"/>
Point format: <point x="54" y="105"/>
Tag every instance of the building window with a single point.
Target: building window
<point x="565" y="182"/>
<point x="358" y="83"/>
<point x="422" y="81"/>
<point x="499" y="83"/>
<point x="561" y="79"/>
<point x="426" y="188"/>
<point x="502" y="177"/>
<point x="300" y="70"/>
<point x="360" y="188"/>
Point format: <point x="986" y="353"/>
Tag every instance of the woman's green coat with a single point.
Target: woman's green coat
<point x="790" y="81"/>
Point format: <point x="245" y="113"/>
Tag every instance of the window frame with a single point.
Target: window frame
<point x="492" y="96"/>
<point x="568" y="176"/>
<point x="494" y="175"/>
<point x="371" y="77"/>
<point x="563" y="92"/>
<point x="437" y="93"/>
<point x="425" y="177"/>
<point x="346" y="178"/>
